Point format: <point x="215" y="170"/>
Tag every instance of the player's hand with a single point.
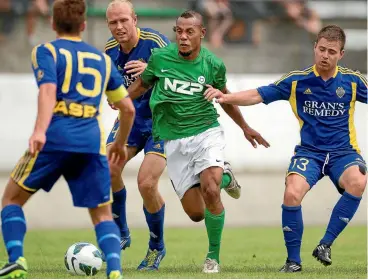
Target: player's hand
<point x="213" y="93"/>
<point x="117" y="154"/>
<point x="253" y="137"/>
<point x="136" y="67"/>
<point x="36" y="142"/>
<point x="112" y="106"/>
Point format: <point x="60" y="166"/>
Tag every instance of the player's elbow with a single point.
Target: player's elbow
<point x="126" y="108"/>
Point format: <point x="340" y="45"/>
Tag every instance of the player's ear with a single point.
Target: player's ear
<point x="83" y="26"/>
<point x="135" y="19"/>
<point x="342" y="52"/>
<point x="203" y="32"/>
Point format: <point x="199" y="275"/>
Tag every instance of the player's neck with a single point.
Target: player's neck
<point x="326" y="75"/>
<point x="128" y="46"/>
<point x="76" y="36"/>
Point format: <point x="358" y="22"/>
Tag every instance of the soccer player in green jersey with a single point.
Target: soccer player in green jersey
<point x="194" y="141"/>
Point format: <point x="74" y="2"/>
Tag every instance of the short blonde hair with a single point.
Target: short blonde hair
<point x="116" y="2"/>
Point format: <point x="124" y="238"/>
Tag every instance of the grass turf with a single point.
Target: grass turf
<point x="253" y="252"/>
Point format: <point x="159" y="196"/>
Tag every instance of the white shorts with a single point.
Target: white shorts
<point x="188" y="157"/>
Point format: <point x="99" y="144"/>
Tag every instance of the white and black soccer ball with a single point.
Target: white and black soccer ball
<point x="83" y="258"/>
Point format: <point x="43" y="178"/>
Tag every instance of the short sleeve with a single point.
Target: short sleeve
<point x="279" y="90"/>
<point x="361" y="94"/>
<point x="220" y="77"/>
<point x="44" y="65"/>
<point x="149" y="76"/>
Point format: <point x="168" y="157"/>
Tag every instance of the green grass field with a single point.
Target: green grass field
<point x="246" y="253"/>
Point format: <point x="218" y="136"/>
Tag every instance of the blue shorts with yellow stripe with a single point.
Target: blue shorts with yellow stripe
<point x="87" y="175"/>
<point x="140" y="137"/>
<point x="314" y="165"/>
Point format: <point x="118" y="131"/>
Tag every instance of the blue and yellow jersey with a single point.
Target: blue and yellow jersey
<point x="81" y="74"/>
<point x="148" y="39"/>
<point x="324" y="109"/>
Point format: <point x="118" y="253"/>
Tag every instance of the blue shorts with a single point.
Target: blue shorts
<point x="140" y="137"/>
<point x="87" y="175"/>
<point x="313" y="165"/>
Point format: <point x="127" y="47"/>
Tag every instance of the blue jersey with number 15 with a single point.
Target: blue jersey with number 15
<point x="81" y="74"/>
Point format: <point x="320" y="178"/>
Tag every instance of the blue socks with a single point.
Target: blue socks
<point x="342" y="214"/>
<point x="108" y="239"/>
<point x="155" y="224"/>
<point x="119" y="211"/>
<point x="13" y="226"/>
<point x="292" y="226"/>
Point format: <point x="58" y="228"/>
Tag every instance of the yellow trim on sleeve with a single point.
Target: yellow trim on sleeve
<point x="51" y="48"/>
<point x="117" y="94"/>
<point x="34" y="57"/>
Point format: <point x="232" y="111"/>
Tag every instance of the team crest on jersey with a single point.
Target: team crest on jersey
<point x="40" y="75"/>
<point x="340" y="92"/>
<point x="201" y="80"/>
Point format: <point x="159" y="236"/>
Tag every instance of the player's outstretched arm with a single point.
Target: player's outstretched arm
<point x="137" y="88"/>
<point x="46" y="104"/>
<point x="250" y="134"/>
<point x="241" y="98"/>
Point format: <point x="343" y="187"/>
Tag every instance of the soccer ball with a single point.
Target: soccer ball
<point x="83" y="258"/>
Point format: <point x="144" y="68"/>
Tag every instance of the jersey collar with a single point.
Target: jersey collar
<point x="317" y="74"/>
<point x="71" y="38"/>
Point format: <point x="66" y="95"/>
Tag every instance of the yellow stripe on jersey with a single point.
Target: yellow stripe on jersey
<point x="154" y="37"/>
<point x="117" y="94"/>
<point x="343" y="71"/>
<point x="51" y="48"/>
<point x="296" y="72"/>
<point x="352" y="131"/>
<point x="111" y="45"/>
<point x="34" y="57"/>
<point x="293" y="103"/>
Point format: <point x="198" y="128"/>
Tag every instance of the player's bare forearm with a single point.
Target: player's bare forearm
<point x="243" y="98"/>
<point x="127" y="114"/>
<point x="137" y="88"/>
<point x="233" y="112"/>
<point x="46" y="104"/>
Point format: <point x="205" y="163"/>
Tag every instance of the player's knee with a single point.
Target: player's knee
<point x="211" y="192"/>
<point x="146" y="186"/>
<point x="115" y="173"/>
<point x="196" y="216"/>
<point x="294" y="193"/>
<point x="356" y="185"/>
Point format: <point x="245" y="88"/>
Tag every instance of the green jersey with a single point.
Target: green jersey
<point x="178" y="106"/>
